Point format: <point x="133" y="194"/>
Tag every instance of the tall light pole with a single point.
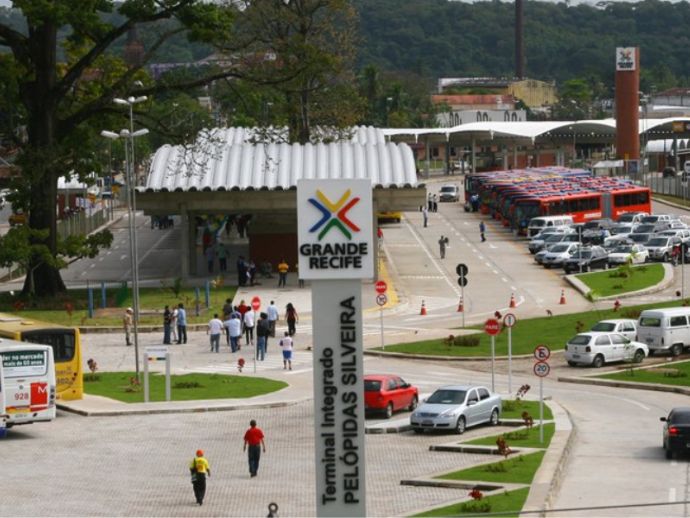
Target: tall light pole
<point x="129" y="135"/>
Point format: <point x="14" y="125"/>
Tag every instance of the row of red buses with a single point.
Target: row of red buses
<point x="515" y="197"/>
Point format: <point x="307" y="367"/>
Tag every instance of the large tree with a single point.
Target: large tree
<point x="63" y="78"/>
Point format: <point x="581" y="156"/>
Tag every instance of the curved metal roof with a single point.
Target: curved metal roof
<point x="242" y="166"/>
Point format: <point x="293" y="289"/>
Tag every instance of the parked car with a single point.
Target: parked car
<point x="647" y="228"/>
<point x="678" y="224"/>
<point x="553" y="239"/>
<point x="449" y="193"/>
<point x="623" y="229"/>
<point x="386" y="393"/>
<point x="622" y="326"/>
<point x="557" y="254"/>
<point x="537" y="242"/>
<point x="589" y="258"/>
<point x="457" y="407"/>
<point x="681" y="233"/>
<point x="592" y="230"/>
<point x="660" y="248"/>
<point x="596" y="348"/>
<point x="17" y="218"/>
<point x="632" y="217"/>
<point x="676" y="434"/>
<point x="640" y="239"/>
<point x="664" y="329"/>
<point x="537" y="224"/>
<point x="613" y="242"/>
<point x="660" y="219"/>
<point x="390" y="215"/>
<point x="626" y="253"/>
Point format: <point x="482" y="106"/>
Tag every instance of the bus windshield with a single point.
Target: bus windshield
<point x="61" y="340"/>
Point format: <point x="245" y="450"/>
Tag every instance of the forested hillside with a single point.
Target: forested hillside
<point x="445" y="38"/>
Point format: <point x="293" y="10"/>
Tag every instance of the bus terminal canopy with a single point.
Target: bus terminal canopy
<point x="229" y="171"/>
<point x="535" y="132"/>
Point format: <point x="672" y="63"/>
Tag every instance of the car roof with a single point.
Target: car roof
<point x="378" y="377"/>
<point x="616" y="320"/>
<point x="460" y="387"/>
<point x="681" y="410"/>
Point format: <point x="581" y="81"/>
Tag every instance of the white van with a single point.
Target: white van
<point x="665" y="329"/>
<point x="536" y="225"/>
<point x="29" y="376"/>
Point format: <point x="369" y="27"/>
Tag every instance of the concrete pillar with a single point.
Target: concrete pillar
<point x="505" y="158"/>
<point x="427" y="154"/>
<point x="474" y="165"/>
<point x="447" y="154"/>
<point x="186" y="251"/>
<point x="191" y="247"/>
<point x="627" y="103"/>
<point x="537" y="156"/>
<point x="515" y="156"/>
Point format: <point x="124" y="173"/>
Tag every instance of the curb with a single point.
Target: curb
<point x="665" y="283"/>
<point x="627" y="384"/>
<point x="384" y="354"/>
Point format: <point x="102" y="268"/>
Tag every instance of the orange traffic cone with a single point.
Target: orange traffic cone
<point x="562" y="301"/>
<point x="512" y="301"/>
<point x="461" y="306"/>
<point x="423" y="311"/>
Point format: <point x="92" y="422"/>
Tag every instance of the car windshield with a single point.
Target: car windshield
<point x="447" y="397"/>
<point x="650" y="322"/>
<point x="559" y="249"/>
<point x="604" y="326"/>
<point x="658" y="241"/>
<point x="591" y="225"/>
<point x="650" y="219"/>
<point x="639" y="238"/>
<point x="449" y="189"/>
<point x="644" y="229"/>
<point x="580" y="340"/>
<point x="372" y="385"/>
<point x="626" y="218"/>
<point x="582" y="254"/>
<point x="680" y="418"/>
<point x="554" y="239"/>
<point x="622" y="229"/>
<point x="623" y="250"/>
<point x="537" y="223"/>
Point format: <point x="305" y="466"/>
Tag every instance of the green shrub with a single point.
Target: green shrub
<point x="467" y="341"/>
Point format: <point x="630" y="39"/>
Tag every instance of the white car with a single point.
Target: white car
<point x="681" y="233"/>
<point x="622" y="254"/>
<point x="624" y="326"/>
<point x="449" y="193"/>
<point x="596" y="349"/>
<point x="557" y="254"/>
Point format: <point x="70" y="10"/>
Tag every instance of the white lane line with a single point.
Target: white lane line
<point x="492" y="246"/>
<point x="513" y="288"/>
<point x="495" y="272"/>
<point x="487" y="263"/>
<point x="481" y="257"/>
<point x="92" y="265"/>
<point x="671" y="494"/>
<point x="504" y="279"/>
<point x="123" y="257"/>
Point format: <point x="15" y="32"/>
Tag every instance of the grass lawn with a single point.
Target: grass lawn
<point x="673" y="199"/>
<point x="528" y="333"/>
<point x="151" y="304"/>
<point x="526" y="438"/>
<point x="513" y="409"/>
<point x="516" y="470"/>
<point x="609" y="282"/>
<point x="116" y="385"/>
<point x="676" y="374"/>
<point x="508" y="502"/>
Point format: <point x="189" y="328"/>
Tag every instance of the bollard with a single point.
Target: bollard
<point x="272" y="510"/>
<point x="196" y="295"/>
<point x="103" y="297"/>
<point x="208" y="294"/>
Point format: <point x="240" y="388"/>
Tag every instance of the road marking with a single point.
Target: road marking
<point x="481" y="257"/>
<point x="422" y="276"/>
<point x="488" y="264"/>
<point x="504" y="279"/>
<point x="671" y="494"/>
<point x="492" y="246"/>
<point x="92" y="265"/>
<point x="515" y="289"/>
<point x="123" y="257"/>
<point x="495" y="272"/>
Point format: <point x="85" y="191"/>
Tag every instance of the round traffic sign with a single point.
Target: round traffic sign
<point x="542" y="369"/>
<point x="462" y="281"/>
<point x="492" y="327"/>
<point x="542" y="353"/>
<point x="461" y="269"/>
<point x="509" y="320"/>
<point x="381" y="299"/>
<point x="256" y="303"/>
<point x="380" y="287"/>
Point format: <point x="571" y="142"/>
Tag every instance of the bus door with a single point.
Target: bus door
<point x="606" y="205"/>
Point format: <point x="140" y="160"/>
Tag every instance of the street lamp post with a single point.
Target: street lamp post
<point x="129" y="135"/>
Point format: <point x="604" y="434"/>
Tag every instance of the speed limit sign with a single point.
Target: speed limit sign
<point x="542" y="353"/>
<point x="541" y="369"/>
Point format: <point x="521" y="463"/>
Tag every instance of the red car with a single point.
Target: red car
<point x="386" y="393"/>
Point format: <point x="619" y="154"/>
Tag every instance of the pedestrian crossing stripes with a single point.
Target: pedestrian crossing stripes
<point x="422" y="277"/>
<point x="301" y="362"/>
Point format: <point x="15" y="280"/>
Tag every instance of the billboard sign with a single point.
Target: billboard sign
<point x="626" y="59"/>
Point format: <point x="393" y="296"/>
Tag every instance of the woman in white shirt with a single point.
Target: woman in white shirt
<point x="286" y="346"/>
<point x="249" y="327"/>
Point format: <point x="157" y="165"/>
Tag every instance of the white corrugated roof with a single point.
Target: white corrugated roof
<point x="241" y="166"/>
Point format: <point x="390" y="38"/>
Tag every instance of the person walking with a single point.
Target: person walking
<point x="227" y="311"/>
<point x="167" y="319"/>
<point x="425" y="214"/>
<point x="262" y="333"/>
<point x="222" y="254"/>
<point x="199" y="469"/>
<point x="482" y="231"/>
<point x="286" y="345"/>
<point x="291" y="318"/>
<point x="442" y="243"/>
<point x="215" y="326"/>
<point x="249" y="327"/>
<point x="272" y="312"/>
<point x="434" y="204"/>
<point x="283" y="268"/>
<point x="181" y="324"/>
<point x="234" y="330"/>
<point x="241" y="271"/>
<point x="173" y="324"/>
<point x="128" y="323"/>
<point x="254" y="438"/>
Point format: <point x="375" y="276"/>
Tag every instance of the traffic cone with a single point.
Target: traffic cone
<point x="423" y="311"/>
<point x="512" y="301"/>
<point x="461" y="306"/>
<point x="616" y="305"/>
<point x="562" y="301"/>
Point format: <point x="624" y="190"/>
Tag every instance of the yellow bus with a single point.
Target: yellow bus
<point x="66" y="344"/>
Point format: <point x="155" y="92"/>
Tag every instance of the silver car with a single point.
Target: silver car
<point x="456" y="407"/>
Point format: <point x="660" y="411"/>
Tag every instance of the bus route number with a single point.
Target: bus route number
<point x="21" y="396"/>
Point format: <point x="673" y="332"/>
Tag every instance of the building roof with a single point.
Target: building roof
<point x="471" y="100"/>
<point x="232" y="162"/>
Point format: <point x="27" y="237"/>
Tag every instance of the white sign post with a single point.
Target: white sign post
<point x="381" y="300"/>
<point x="152" y="354"/>
<point x="3" y="416"/>
<point x="334" y="220"/>
<point x="509" y="321"/>
<point x="541" y="369"/>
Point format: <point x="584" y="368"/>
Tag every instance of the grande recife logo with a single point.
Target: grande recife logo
<point x="334" y="215"/>
<point x="335" y="229"/>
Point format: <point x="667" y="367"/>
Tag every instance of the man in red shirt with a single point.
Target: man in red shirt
<point x="254" y="437"/>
